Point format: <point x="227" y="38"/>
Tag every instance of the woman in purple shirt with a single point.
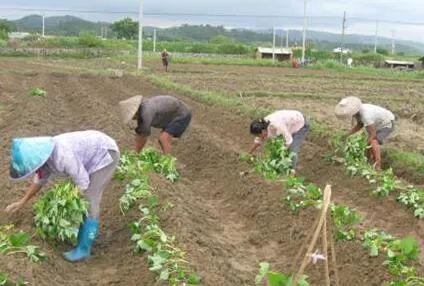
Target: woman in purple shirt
<point x="89" y="158"/>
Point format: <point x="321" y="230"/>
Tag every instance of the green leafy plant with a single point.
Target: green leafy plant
<point x="36" y="91"/>
<point x="414" y="199"/>
<point x="133" y="165"/>
<point x="59" y="213"/>
<point x="344" y="220"/>
<point x="160" y="163"/>
<point x="135" y="190"/>
<point x="18" y="243"/>
<point x="386" y="182"/>
<point x="300" y="195"/>
<point x="275" y="278"/>
<point x="375" y="241"/>
<point x="399" y="252"/>
<point x="277" y="159"/>
<point x="164" y="258"/>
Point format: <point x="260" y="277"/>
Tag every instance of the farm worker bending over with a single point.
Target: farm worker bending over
<point x="163" y="111"/>
<point x="88" y="157"/>
<point x="291" y="124"/>
<point x="378" y="121"/>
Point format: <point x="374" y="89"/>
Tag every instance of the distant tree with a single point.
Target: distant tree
<point x="220" y="40"/>
<point x="89" y="40"/>
<point x="382" y="51"/>
<point x="125" y="28"/>
<point x="4" y="29"/>
<point x="365" y="51"/>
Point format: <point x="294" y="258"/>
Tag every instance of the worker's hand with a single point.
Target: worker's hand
<point x="14" y="207"/>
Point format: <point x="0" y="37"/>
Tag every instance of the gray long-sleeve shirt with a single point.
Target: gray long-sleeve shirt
<point x="158" y="112"/>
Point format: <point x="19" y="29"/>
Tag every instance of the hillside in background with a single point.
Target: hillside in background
<point x="72" y="26"/>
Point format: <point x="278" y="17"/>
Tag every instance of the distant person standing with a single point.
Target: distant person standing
<point x="165" y="59"/>
<point x="377" y="121"/>
<point x="163" y="111"/>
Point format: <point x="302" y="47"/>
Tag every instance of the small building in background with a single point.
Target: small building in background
<point x="401" y="65"/>
<point x="280" y="54"/>
<point x="18" y="35"/>
<point x="344" y="52"/>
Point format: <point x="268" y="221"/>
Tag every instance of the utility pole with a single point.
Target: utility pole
<point x="140" y="37"/>
<point x="43" y="25"/>
<point x="304" y="31"/>
<point x="287" y="38"/>
<point x="376" y="36"/>
<point x="273" y="44"/>
<point x="343" y="34"/>
<point x="282" y="38"/>
<point x="393" y="42"/>
<point x="154" y="40"/>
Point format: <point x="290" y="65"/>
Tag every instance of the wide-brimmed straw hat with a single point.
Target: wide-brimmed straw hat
<point x="28" y="155"/>
<point x="347" y="107"/>
<point x="129" y="108"/>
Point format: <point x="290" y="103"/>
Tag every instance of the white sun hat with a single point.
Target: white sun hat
<point x="129" y="108"/>
<point x="347" y="107"/>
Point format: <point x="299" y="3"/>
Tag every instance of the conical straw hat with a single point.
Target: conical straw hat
<point x="347" y="107"/>
<point x="129" y="107"/>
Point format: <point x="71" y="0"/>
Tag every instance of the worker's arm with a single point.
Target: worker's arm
<point x="140" y="141"/>
<point x="372" y="133"/>
<point x="254" y="147"/>
<point x="32" y="191"/>
<point x="356" y="128"/>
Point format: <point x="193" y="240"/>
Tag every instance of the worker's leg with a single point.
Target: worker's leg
<point x="381" y="135"/>
<point x="298" y="138"/>
<point x="174" y="129"/>
<point x="89" y="229"/>
<point x="165" y="142"/>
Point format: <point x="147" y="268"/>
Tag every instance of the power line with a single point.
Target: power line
<point x="210" y="15"/>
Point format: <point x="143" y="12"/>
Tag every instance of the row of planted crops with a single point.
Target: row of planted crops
<point x="58" y="213"/>
<point x="401" y="254"/>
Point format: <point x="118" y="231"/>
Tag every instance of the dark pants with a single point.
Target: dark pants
<point x="177" y="127"/>
<point x="383" y="133"/>
<point x="298" y="138"/>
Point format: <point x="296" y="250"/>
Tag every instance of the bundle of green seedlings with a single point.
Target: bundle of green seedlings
<point x="59" y="213"/>
<point x="17" y="243"/>
<point x="273" y="278"/>
<point x="385" y="181"/>
<point x="276" y="161"/>
<point x="164" y="257"/>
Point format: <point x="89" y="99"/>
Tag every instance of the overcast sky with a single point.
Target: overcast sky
<point x="389" y="10"/>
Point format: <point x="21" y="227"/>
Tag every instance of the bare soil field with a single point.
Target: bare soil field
<point x="226" y="223"/>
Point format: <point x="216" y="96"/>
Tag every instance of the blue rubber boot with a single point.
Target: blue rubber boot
<point x="86" y="237"/>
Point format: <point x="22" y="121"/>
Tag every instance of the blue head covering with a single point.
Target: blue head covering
<point x="28" y="155"/>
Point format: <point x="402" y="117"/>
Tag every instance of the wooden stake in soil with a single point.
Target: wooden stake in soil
<point x="322" y="219"/>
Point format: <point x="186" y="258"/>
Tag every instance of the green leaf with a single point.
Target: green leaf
<point x="19" y="239"/>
